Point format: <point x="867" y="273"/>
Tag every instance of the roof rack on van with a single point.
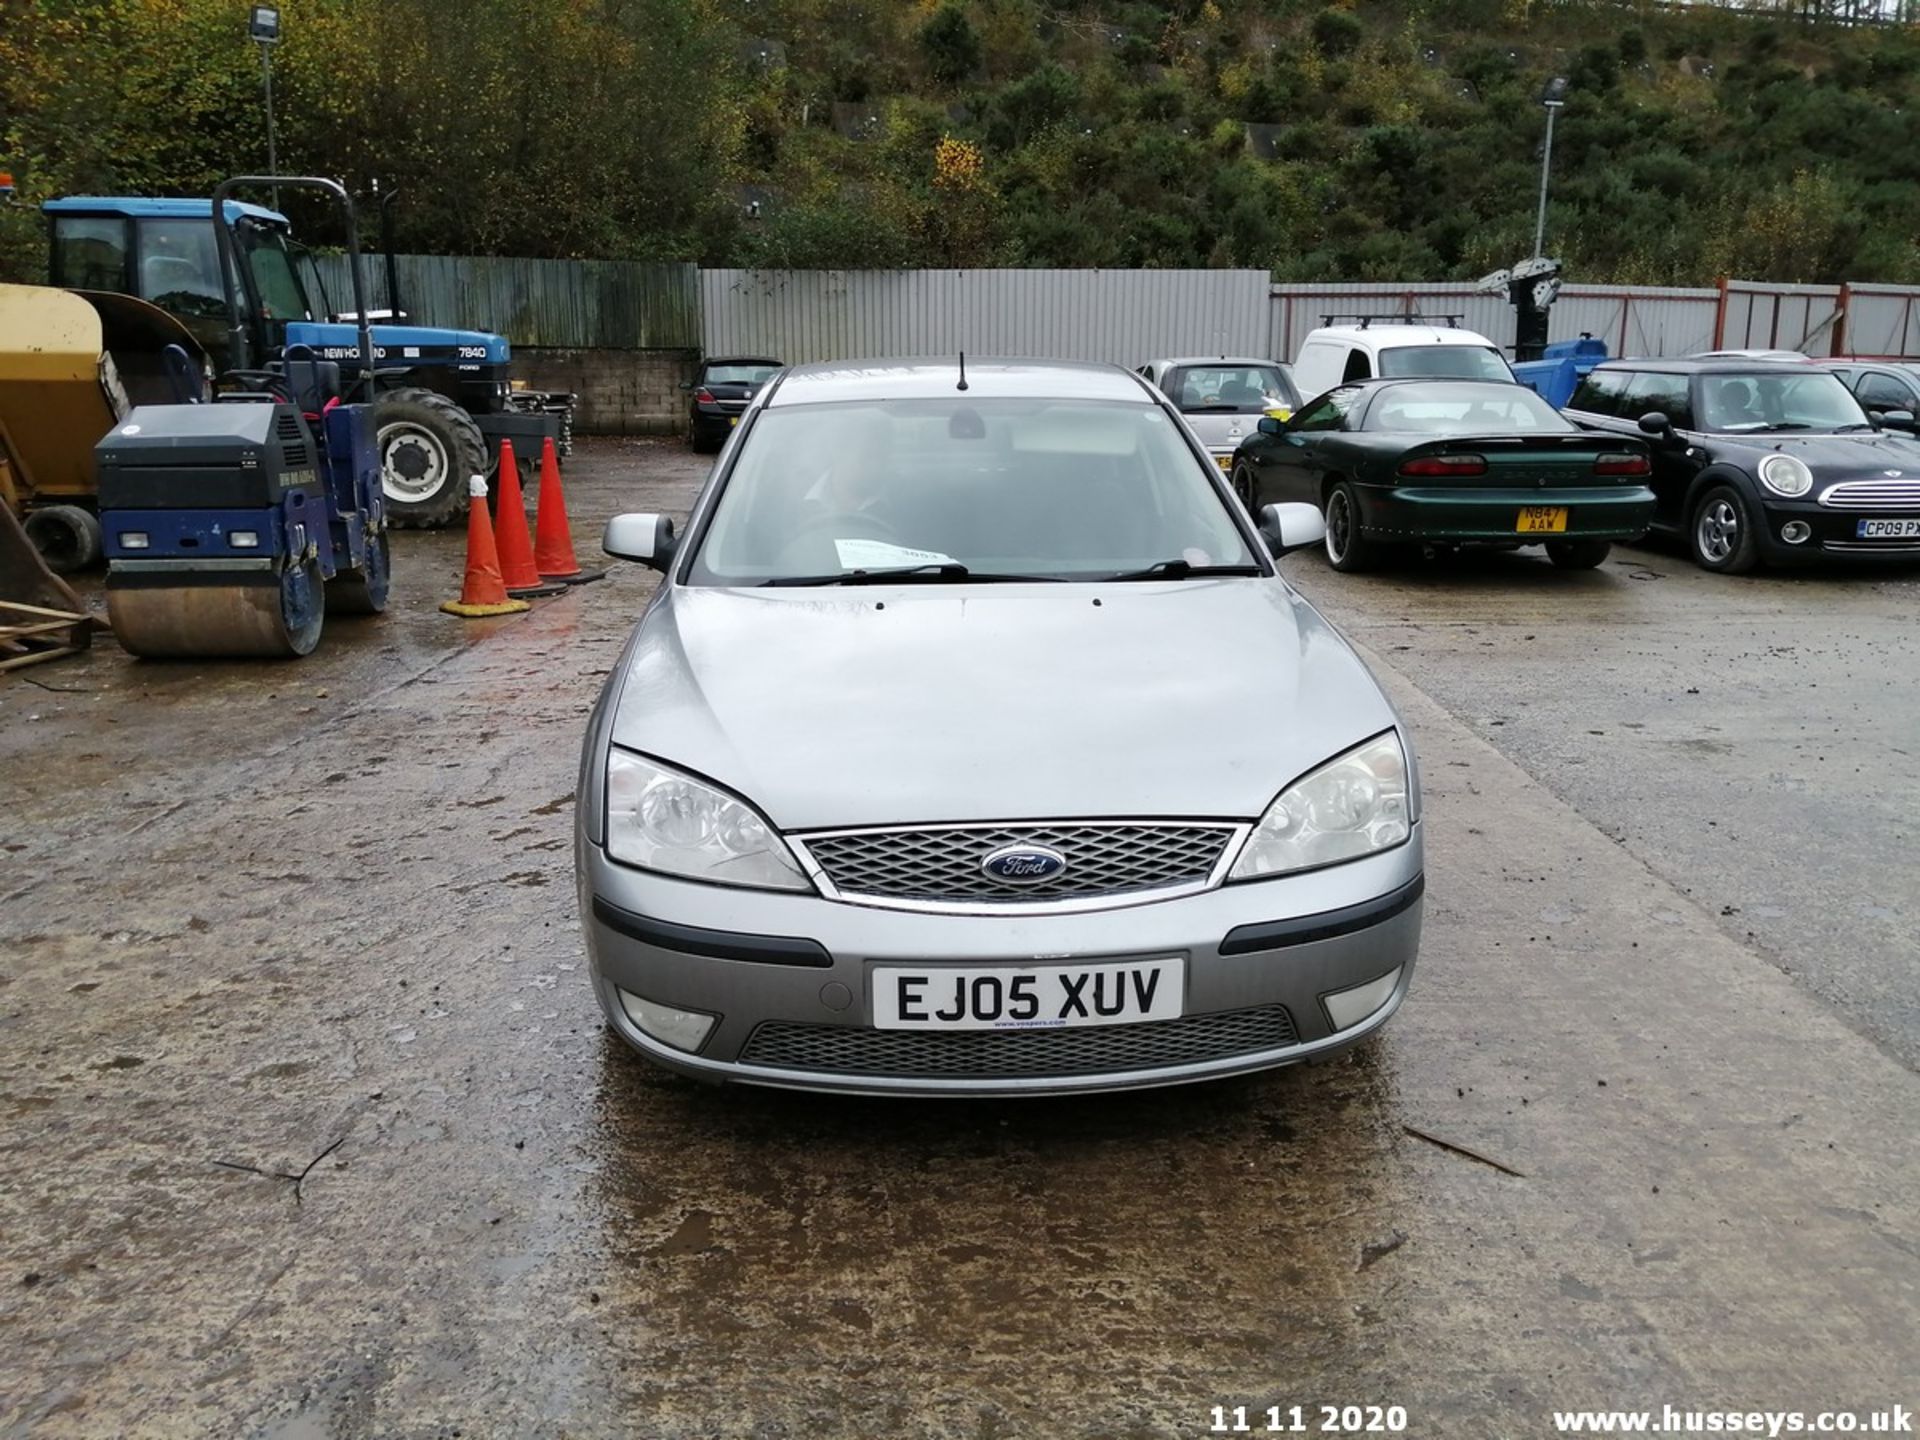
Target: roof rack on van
<point x="1412" y="318"/>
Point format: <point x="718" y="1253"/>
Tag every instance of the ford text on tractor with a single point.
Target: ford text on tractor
<point x="442" y="398"/>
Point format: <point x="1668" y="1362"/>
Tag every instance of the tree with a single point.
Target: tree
<point x="951" y="44"/>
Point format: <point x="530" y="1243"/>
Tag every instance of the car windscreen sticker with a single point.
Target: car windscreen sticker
<point x="865" y="554"/>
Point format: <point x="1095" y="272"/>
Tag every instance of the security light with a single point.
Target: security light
<point x="263" y="24"/>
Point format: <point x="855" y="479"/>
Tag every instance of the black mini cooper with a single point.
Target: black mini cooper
<point x="1761" y="460"/>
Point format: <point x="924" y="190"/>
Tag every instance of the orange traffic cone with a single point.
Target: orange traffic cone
<point x="482" y="592"/>
<point x="552" y="538"/>
<point x="517" y="569"/>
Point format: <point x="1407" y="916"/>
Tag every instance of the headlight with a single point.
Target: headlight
<point x="1785" y="475"/>
<point x="660" y="819"/>
<point x="1353" y="805"/>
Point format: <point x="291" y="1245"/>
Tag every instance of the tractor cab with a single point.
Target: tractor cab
<point x="163" y="252"/>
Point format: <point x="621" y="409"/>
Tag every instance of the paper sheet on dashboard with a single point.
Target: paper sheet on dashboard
<point x="864" y="554"/>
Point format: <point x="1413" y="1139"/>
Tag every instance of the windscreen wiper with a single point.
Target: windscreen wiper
<point x="1183" y="570"/>
<point x="949" y="571"/>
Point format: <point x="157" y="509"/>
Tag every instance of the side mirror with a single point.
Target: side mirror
<point x="1893" y="419"/>
<point x="1269" y="425"/>
<point x="646" y="538"/>
<point x="1291" y="527"/>
<point x="686" y="385"/>
<point x="1655" y="422"/>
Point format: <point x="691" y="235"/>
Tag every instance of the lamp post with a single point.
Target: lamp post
<point x="1553" y="97"/>
<point x="263" y="25"/>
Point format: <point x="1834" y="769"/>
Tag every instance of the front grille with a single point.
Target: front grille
<point x="1873" y="495"/>
<point x="942" y="866"/>
<point x="1012" y="1054"/>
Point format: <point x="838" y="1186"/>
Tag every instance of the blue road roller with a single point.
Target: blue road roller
<point x="233" y="523"/>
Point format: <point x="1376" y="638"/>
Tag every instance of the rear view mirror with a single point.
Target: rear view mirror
<point x="1893" y="419"/>
<point x="1291" y="527"/>
<point x="646" y="538"/>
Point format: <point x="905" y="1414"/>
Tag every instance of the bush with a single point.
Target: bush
<point x="951" y="44"/>
<point x="1336" y="32"/>
<point x="1026" y="107"/>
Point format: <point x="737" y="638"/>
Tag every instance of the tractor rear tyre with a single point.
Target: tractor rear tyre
<point x="67" y="537"/>
<point x="429" y="448"/>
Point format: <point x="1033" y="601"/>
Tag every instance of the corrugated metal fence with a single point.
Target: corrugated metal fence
<point x="1123" y="316"/>
<point x="1632" y="319"/>
<point x="576" y="304"/>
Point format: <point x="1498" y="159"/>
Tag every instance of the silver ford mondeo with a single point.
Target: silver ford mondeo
<point x="972" y="745"/>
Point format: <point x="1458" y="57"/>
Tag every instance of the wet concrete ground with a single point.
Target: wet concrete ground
<point x="316" y="921"/>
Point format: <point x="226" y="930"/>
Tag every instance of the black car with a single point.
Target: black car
<point x="721" y="391"/>
<point x="1888" y="390"/>
<point x="1406" y="463"/>
<point x="1758" y="460"/>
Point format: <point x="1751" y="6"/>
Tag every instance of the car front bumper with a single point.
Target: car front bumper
<point x="1454" y="513"/>
<point x="788" y="976"/>
<point x="1832" y="531"/>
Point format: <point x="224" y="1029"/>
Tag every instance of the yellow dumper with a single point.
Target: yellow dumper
<point x="72" y="364"/>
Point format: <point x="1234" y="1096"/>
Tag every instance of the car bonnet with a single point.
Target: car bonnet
<point x="903" y="705"/>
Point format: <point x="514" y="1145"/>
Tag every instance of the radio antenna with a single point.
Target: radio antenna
<point x="963" y="371"/>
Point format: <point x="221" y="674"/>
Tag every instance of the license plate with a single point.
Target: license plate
<point x="1027" y="997"/>
<point x="1541" y="519"/>
<point x="733" y="420"/>
<point x="1888" y="530"/>
<point x="1225" y="462"/>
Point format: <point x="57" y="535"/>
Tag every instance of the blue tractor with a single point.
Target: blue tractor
<point x="442" y="398"/>
<point x="232" y="525"/>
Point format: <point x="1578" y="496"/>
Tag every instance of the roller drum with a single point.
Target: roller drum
<point x="268" y="614"/>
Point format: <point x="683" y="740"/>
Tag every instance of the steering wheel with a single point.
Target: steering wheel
<point x="271" y="381"/>
<point x="852" y="524"/>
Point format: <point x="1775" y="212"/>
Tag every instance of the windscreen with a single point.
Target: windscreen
<point x="1464" y="362"/>
<point x="180" y="268"/>
<point x="1794" y="400"/>
<point x="1458" y="409"/>
<point x="281" y="295"/>
<point x="739" y="374"/>
<point x="1064" y="489"/>
<point x="1226" y="389"/>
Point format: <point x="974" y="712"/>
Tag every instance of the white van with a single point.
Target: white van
<point x="1369" y="347"/>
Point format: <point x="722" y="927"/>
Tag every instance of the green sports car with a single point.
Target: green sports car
<point x="1400" y="464"/>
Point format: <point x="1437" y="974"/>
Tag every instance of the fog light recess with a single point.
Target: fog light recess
<point x="1795" y="532"/>
<point x="682" y="1029"/>
<point x="1347" y="1008"/>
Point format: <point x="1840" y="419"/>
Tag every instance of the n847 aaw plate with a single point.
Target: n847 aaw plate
<point x="1027" y="997"/>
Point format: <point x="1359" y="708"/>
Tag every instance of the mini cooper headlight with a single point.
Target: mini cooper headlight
<point x="660" y="819"/>
<point x="1786" y="475"/>
<point x="1356" y="804"/>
